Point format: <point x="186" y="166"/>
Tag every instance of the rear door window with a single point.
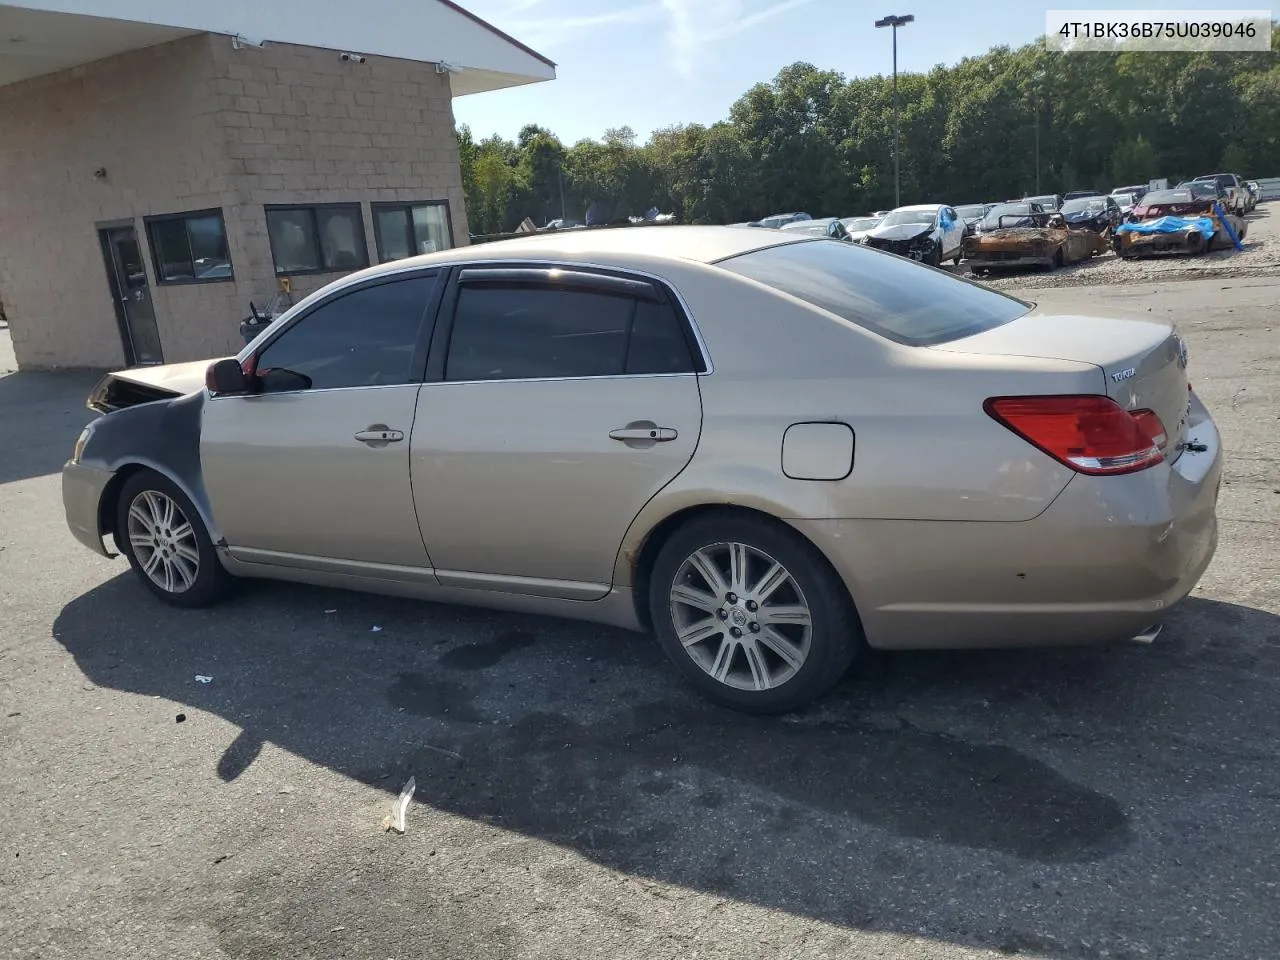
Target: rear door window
<point x="887" y="294"/>
<point x="532" y="332"/>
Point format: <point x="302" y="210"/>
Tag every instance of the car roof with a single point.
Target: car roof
<point x="920" y="206"/>
<point x="607" y="245"/>
<point x="798" y="224"/>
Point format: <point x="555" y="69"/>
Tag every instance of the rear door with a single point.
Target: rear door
<point x="313" y="470"/>
<point x="557" y="403"/>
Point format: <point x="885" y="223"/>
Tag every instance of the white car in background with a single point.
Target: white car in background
<point x="928" y="232"/>
<point x="1125" y="201"/>
<point x="859" y="227"/>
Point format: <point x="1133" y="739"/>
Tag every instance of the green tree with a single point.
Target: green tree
<point x="986" y="128"/>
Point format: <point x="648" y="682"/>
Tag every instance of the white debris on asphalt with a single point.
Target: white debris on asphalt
<point x="376" y="630"/>
<point x="400" y="809"/>
<point x="201" y="678"/>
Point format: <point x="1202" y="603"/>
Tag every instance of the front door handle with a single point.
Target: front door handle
<point x="643" y="431"/>
<point x="379" y="435"/>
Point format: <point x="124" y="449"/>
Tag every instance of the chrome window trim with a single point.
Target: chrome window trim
<point x="289" y="317"/>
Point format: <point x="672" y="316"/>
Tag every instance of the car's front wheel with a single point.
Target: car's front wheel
<point x="751" y="613"/>
<point x="160" y="531"/>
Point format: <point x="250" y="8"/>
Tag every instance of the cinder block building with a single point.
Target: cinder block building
<point x="163" y="163"/>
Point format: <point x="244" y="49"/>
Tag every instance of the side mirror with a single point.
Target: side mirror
<point x="226" y="377"/>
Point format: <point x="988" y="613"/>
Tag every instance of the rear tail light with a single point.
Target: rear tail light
<point x="1090" y="434"/>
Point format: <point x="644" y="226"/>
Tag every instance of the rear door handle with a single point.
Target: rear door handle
<point x="379" y="435"/>
<point x="643" y="432"/>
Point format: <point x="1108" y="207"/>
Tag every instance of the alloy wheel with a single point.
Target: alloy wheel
<point x="163" y="541"/>
<point x="741" y="616"/>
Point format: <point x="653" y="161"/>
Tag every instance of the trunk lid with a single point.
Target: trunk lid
<point x="1143" y="362"/>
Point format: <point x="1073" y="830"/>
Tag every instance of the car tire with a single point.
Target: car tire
<point x="166" y="542"/>
<point x="1058" y="260"/>
<point x="771" y="639"/>
<point x="935" y="255"/>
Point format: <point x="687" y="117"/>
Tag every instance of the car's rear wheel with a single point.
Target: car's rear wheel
<point x="160" y="531"/>
<point x="751" y="613"/>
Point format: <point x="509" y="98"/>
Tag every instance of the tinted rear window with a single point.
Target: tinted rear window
<point x="884" y="293"/>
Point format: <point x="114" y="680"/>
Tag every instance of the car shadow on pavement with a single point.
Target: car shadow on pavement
<point x="1003" y="799"/>
<point x="41" y="414"/>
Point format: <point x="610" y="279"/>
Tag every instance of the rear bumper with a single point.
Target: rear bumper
<point x="82" y="488"/>
<point x="1109" y="558"/>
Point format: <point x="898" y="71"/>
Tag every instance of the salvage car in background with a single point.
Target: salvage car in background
<point x="829" y="227"/>
<point x="1048" y="202"/>
<point x="860" y="226"/>
<point x="1136" y="190"/>
<point x="1180" y="221"/>
<point x="779" y="220"/>
<point x="1125" y="201"/>
<point x="1186" y="200"/>
<point x="1002" y="216"/>
<point x="571" y="424"/>
<point x="1237" y="194"/>
<point x="1098" y="212"/>
<point x="972" y="214"/>
<point x="928" y="232"/>
<point x="1030" y="240"/>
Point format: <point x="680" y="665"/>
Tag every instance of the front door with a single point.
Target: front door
<point x="127" y="279"/>
<point x="558" y="415"/>
<point x="313" y="470"/>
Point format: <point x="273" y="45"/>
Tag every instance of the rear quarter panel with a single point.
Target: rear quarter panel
<point x="924" y="447"/>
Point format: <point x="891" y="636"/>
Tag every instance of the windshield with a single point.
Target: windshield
<point x="970" y="212"/>
<point x="992" y="219"/>
<point x="1085" y="205"/>
<point x="1123" y="199"/>
<point x="1162" y="197"/>
<point x="881" y="292"/>
<point x="861" y="223"/>
<point x="1201" y="188"/>
<point x="1048" y="201"/>
<point x="909" y="216"/>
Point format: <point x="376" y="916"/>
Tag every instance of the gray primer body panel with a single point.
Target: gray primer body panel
<point x="163" y="435"/>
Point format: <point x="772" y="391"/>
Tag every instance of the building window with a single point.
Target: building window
<point x="189" y="247"/>
<point x="326" y="238"/>
<point x="408" y="229"/>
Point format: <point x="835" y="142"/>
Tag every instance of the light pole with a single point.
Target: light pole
<point x="895" y="22"/>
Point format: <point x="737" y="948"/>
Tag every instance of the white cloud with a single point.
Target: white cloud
<point x="699" y="24"/>
<point x="548" y="31"/>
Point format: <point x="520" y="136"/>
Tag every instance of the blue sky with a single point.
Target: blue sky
<point x="652" y="63"/>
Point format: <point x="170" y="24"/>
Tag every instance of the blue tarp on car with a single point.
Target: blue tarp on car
<point x="1204" y="225"/>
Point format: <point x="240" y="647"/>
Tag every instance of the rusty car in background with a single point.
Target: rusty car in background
<point x="1030" y="239"/>
<point x="1186" y="220"/>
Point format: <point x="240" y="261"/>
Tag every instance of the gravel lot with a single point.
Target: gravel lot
<point x="576" y="801"/>
<point x="1260" y="257"/>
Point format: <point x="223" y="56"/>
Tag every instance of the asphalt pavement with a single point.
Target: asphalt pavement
<point x="576" y="800"/>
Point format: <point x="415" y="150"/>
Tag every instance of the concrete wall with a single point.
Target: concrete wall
<point x="190" y="125"/>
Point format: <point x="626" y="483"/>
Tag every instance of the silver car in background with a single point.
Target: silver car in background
<point x="768" y="449"/>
